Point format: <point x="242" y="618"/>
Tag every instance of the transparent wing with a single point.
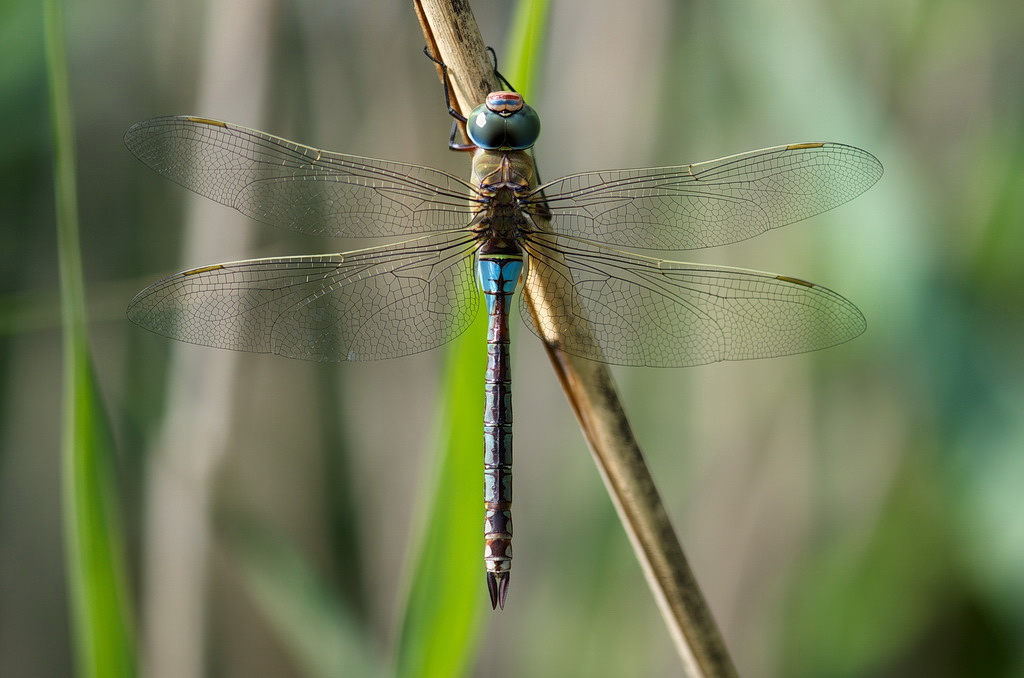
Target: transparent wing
<point x="709" y="203"/>
<point x="292" y="186"/>
<point x="370" y="304"/>
<point x="648" y="312"/>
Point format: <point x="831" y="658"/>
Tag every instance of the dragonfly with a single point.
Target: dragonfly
<point x="451" y="240"/>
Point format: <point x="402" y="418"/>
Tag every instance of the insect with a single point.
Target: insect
<point x="453" y="240"/>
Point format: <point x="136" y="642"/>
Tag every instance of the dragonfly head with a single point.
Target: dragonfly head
<point x="503" y="123"/>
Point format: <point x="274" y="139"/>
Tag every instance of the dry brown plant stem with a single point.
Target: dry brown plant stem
<point x="452" y="35"/>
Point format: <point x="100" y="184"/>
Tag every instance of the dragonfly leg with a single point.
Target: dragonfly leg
<point x="497" y="74"/>
<point x="454" y="145"/>
<point x="447" y="90"/>
<point x="460" y="120"/>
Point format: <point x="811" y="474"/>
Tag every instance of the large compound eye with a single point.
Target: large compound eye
<point x="522" y="129"/>
<point x="486" y="128"/>
<point x="504" y="122"/>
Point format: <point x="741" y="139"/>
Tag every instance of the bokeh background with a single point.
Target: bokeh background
<point x="853" y="512"/>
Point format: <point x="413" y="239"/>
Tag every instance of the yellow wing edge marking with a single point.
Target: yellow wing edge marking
<point x="206" y="121"/>
<point x="795" y="281"/>
<point x="203" y="269"/>
<point x="797" y="147"/>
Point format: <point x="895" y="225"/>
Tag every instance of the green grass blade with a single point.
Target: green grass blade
<point x="447" y="579"/>
<point x="447" y="582"/>
<point x="100" y="617"/>
<point x="525" y="45"/>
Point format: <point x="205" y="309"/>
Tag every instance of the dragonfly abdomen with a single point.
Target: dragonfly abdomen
<point x="498" y="275"/>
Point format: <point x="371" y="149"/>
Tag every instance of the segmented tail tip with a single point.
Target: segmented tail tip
<point x="497" y="586"/>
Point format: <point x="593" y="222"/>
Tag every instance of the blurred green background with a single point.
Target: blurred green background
<point x="854" y="512"/>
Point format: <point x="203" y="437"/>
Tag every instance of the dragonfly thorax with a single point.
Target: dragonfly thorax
<point x="502" y="178"/>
